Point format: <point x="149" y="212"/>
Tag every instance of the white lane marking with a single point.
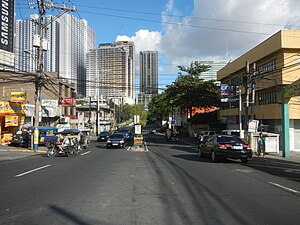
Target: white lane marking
<point x="243" y="170"/>
<point x="30" y="171"/>
<point x="85" y="153"/>
<point x="283" y="187"/>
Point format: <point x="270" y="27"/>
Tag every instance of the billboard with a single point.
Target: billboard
<point x="7" y="16"/>
<point x="228" y="93"/>
<point x="18" y="96"/>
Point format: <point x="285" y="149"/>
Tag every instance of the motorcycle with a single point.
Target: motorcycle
<point x="54" y="149"/>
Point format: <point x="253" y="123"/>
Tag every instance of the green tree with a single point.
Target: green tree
<point x="130" y="110"/>
<point x="159" y="108"/>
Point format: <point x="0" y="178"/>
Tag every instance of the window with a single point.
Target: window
<point x="267" y="98"/>
<point x="267" y="67"/>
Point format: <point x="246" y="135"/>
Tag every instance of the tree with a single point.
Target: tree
<point x="159" y="108"/>
<point x="130" y="110"/>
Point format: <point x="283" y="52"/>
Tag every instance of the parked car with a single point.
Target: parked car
<point x="219" y="147"/>
<point x="21" y="139"/>
<point x="103" y="136"/>
<point x="115" y="140"/>
<point x="205" y="134"/>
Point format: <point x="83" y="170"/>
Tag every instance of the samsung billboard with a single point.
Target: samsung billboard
<point x="7" y="25"/>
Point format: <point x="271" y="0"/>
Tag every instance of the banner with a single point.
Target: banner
<point x="292" y="89"/>
<point x="67" y="101"/>
<point x="7" y="16"/>
<point x="228" y="93"/>
<point x="12" y="109"/>
<point x="50" y="103"/>
<point x="11" y="121"/>
<point x="17" y="96"/>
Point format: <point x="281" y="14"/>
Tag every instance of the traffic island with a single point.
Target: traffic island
<point x="138" y="144"/>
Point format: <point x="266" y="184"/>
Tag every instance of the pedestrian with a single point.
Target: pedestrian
<point x="261" y="146"/>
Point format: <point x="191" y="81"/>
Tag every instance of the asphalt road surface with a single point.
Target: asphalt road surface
<point x="169" y="184"/>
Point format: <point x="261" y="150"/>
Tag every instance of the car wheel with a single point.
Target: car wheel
<point x="213" y="156"/>
<point x="244" y="160"/>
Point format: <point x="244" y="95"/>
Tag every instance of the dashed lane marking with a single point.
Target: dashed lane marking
<point x="285" y="188"/>
<point x="31" y="171"/>
<point x="85" y="153"/>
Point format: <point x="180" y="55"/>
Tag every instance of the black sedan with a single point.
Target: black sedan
<point x="115" y="140"/>
<point x="21" y="140"/>
<point x="219" y="147"/>
<point x="103" y="136"/>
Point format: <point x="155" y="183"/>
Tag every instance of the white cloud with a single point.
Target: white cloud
<point x="144" y="40"/>
<point x="195" y="38"/>
<point x="216" y="29"/>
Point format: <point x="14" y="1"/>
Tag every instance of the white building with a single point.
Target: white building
<point x="68" y="41"/>
<point x="76" y="38"/>
<point x="216" y="65"/>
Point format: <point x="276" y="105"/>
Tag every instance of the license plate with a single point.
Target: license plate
<point x="114" y="144"/>
<point x="237" y="147"/>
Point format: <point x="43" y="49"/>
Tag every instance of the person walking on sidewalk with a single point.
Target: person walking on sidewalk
<point x="261" y="146"/>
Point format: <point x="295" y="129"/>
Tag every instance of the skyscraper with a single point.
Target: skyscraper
<point x="216" y="65"/>
<point x="75" y="40"/>
<point x="148" y="76"/>
<point x="111" y="70"/>
<point x="68" y="40"/>
<point x="25" y="52"/>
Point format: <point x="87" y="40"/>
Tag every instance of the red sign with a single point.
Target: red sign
<point x="67" y="101"/>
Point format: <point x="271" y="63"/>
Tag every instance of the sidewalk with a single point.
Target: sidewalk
<point x="12" y="152"/>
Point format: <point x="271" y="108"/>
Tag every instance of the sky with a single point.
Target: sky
<point x="183" y="30"/>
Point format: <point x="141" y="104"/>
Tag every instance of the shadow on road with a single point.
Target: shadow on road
<point x="75" y="219"/>
<point x="277" y="167"/>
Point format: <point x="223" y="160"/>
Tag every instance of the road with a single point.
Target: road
<point x="169" y="184"/>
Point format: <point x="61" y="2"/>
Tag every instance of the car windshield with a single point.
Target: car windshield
<point x="104" y="133"/>
<point x="116" y="136"/>
<point x="229" y="139"/>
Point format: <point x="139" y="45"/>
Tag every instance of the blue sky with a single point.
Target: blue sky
<point x="183" y="30"/>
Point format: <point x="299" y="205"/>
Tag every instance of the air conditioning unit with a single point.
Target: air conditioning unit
<point x="64" y="120"/>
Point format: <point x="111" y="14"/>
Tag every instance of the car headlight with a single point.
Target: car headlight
<point x="122" y="141"/>
<point x="108" y="141"/>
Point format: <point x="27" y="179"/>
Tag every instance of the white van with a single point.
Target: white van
<point x="233" y="132"/>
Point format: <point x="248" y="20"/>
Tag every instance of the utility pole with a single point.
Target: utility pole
<point x="246" y="80"/>
<point x="253" y="86"/>
<point x="40" y="78"/>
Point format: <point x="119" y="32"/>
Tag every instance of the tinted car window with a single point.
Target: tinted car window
<point x="225" y="139"/>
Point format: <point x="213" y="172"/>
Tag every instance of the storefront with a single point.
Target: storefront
<point x="12" y="116"/>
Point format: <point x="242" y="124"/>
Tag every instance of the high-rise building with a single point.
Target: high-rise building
<point x="148" y="76"/>
<point x="76" y="38"/>
<point x="26" y="39"/>
<point x="149" y="72"/>
<point x="216" y="65"/>
<point x="111" y="71"/>
<point x="68" y="40"/>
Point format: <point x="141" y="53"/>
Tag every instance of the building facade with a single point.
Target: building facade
<point x="215" y="66"/>
<point x="148" y="77"/>
<point x="111" y="71"/>
<point x="75" y="40"/>
<point x="68" y="40"/>
<point x="273" y="65"/>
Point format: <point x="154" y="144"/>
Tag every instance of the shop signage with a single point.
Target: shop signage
<point x="7" y="16"/>
<point x="228" y="93"/>
<point x="50" y="103"/>
<point x="12" y="109"/>
<point x="11" y="121"/>
<point x="67" y="101"/>
<point x="17" y="96"/>
<point x="292" y="89"/>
